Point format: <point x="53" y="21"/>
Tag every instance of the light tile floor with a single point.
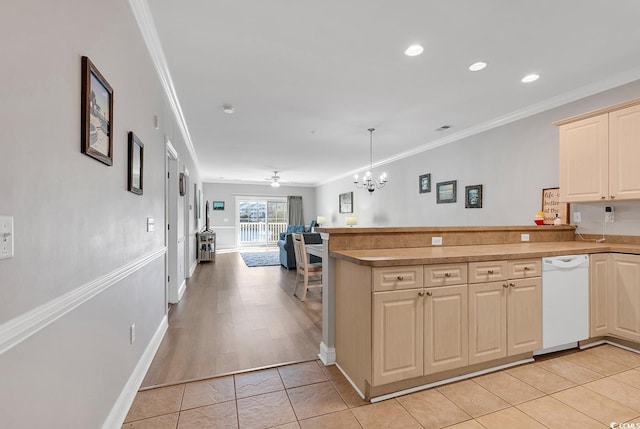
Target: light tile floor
<point x="587" y="389"/>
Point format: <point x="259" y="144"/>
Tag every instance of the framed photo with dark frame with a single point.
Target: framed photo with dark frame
<point x="218" y="205"/>
<point x="345" y="202"/>
<point x="473" y="197"/>
<point x="97" y="114"/>
<point x="446" y="192"/>
<point x="424" y="183"/>
<point x="136" y="164"/>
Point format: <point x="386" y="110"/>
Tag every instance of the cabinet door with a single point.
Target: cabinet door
<point x="446" y="339"/>
<point x="397" y="335"/>
<point x="584" y="164"/>
<point x="625" y="296"/>
<point x="624" y="153"/>
<point x="599" y="295"/>
<point x="524" y="316"/>
<point x="487" y="321"/>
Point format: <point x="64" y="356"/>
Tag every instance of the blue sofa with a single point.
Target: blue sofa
<point x="287" y="255"/>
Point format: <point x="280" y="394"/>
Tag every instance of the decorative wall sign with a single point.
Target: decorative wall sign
<point x="473" y="197"/>
<point x="424" y="183"/>
<point x="218" y="205"/>
<point x="345" y="202"/>
<point x="446" y="192"/>
<point x="551" y="205"/>
<point x="182" y="184"/>
<point x="136" y="164"/>
<point x="97" y="114"/>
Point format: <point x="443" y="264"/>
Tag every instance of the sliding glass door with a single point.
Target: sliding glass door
<point x="261" y="220"/>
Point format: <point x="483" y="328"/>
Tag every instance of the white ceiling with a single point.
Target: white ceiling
<point x="307" y="78"/>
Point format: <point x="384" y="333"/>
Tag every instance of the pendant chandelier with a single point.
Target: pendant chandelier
<point x="368" y="182"/>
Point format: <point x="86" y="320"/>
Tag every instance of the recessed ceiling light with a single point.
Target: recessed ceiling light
<point x="227" y="108"/>
<point x="477" y="66"/>
<point x="413" y="50"/>
<point x="530" y="78"/>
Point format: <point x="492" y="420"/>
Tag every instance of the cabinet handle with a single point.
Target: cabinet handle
<point x="602" y="197"/>
<point x="429" y="293"/>
<point x="612" y="197"/>
<point x="400" y="278"/>
<point x="489" y="271"/>
<point x="420" y="293"/>
<point x="447" y="274"/>
<point x="512" y="284"/>
<point x="526" y="268"/>
<point x="505" y="285"/>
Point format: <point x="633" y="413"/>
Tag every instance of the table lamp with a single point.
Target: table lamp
<point x="351" y="220"/>
<point x="321" y="220"/>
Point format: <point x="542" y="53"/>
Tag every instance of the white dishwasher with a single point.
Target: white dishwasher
<point x="565" y="302"/>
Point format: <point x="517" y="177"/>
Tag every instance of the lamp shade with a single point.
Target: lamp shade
<point x="351" y="220"/>
<point x="321" y="220"/>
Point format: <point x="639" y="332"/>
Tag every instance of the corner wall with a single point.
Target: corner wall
<point x="513" y="162"/>
<point x="85" y="268"/>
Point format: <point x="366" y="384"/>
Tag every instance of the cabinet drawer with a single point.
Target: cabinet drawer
<point x="490" y="271"/>
<point x="395" y="278"/>
<point x="524" y="268"/>
<point x="444" y="275"/>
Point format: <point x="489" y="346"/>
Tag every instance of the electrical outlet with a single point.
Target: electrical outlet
<point x="577" y="217"/>
<point x="132" y="334"/>
<point x="6" y="237"/>
<point x="524" y="237"/>
<point x="608" y="214"/>
<point x="436" y="241"/>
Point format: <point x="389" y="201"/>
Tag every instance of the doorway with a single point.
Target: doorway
<point x="260" y="220"/>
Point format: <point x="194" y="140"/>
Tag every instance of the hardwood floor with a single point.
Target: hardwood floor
<point x="234" y="318"/>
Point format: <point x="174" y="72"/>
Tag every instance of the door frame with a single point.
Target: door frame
<point x="171" y="219"/>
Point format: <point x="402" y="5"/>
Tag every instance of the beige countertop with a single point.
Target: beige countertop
<point x="471" y="253"/>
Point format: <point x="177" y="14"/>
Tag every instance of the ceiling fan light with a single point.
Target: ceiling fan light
<point x="275" y="184"/>
<point x="413" y="50"/>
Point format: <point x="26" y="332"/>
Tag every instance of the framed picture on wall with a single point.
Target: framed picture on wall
<point x="473" y="197"/>
<point x="218" y="205"/>
<point x="446" y="192"/>
<point x="136" y="164"/>
<point x="97" y="114"/>
<point x="345" y="202"/>
<point x="551" y="205"/>
<point x="424" y="183"/>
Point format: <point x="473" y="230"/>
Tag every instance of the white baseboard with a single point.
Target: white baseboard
<point x="121" y="407"/>
<point x="193" y="268"/>
<point x="181" y="289"/>
<point x="327" y="354"/>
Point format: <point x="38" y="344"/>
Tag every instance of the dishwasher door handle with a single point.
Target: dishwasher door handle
<point x="565" y="261"/>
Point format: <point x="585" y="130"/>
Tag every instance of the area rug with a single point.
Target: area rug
<point x="261" y="259"/>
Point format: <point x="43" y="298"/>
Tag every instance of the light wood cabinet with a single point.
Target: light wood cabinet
<point x="396" y="278"/>
<point x="398" y="332"/>
<point x="624" y="310"/>
<point x="599" y="268"/>
<point x="598" y="155"/>
<point x="614" y="295"/>
<point x="446" y="343"/>
<point x="505" y="317"/>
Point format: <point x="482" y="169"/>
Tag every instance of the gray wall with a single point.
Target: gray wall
<point x="223" y="222"/>
<point x="513" y="162"/>
<point x="75" y="222"/>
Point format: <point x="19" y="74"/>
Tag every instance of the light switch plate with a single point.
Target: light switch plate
<point x="6" y="237"/>
<point x="150" y="224"/>
<point x="436" y="241"/>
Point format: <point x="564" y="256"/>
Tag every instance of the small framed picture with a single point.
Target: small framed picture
<point x="424" y="183"/>
<point x="136" y="164"/>
<point x="218" y="205"/>
<point x="473" y="197"/>
<point x="345" y="202"/>
<point x="447" y="192"/>
<point x="97" y="114"/>
<point x="551" y="206"/>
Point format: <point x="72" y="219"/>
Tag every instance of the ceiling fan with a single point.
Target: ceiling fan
<point x="275" y="180"/>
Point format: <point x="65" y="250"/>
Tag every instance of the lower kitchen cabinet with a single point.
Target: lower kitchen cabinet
<point x="505" y="318"/>
<point x="446" y="343"/>
<point x="397" y="337"/>
<point x="614" y="295"/>
<point x="625" y="296"/>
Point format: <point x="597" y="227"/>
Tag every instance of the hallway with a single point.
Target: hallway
<point x="234" y="318"/>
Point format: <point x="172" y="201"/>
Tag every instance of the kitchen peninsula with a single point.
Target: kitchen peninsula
<point x="408" y="314"/>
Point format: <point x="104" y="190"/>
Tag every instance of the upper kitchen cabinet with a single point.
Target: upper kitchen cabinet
<point x="599" y="153"/>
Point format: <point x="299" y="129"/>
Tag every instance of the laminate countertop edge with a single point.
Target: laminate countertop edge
<point x="476" y="253"/>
